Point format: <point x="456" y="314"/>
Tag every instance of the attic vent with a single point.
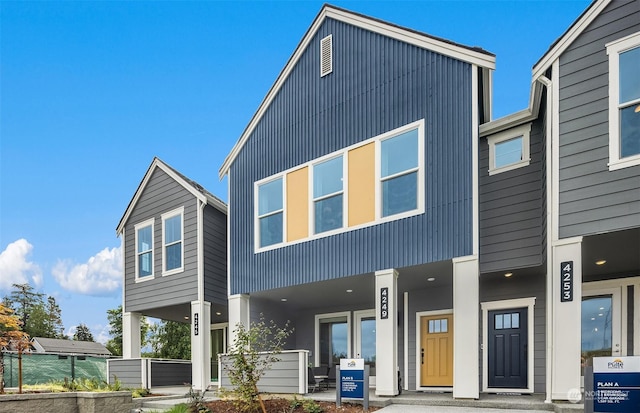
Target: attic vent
<point x="326" y="56"/>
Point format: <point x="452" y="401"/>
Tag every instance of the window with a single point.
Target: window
<point x="624" y="102"/>
<point x="328" y="195"/>
<point x="332" y="338"/>
<point x="399" y="173"/>
<point x="172" y="236"/>
<point x="144" y="250"/>
<point x="439" y="326"/>
<point x="507" y="321"/>
<point x="270" y="213"/>
<point x="509" y="150"/>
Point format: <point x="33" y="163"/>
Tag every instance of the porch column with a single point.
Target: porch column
<point x="131" y="335"/>
<point x="200" y="345"/>
<point x="238" y="314"/>
<point x="466" y="341"/>
<point x="566" y="319"/>
<point x="386" y="332"/>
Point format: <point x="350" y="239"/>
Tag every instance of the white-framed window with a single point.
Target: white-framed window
<point x="144" y="250"/>
<point x="509" y="150"/>
<point x="399" y="173"/>
<point x="172" y="241"/>
<point x="328" y="198"/>
<point x="332" y="338"/>
<point x="624" y="102"/>
<point x="270" y="207"/>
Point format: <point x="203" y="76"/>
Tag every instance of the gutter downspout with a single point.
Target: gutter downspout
<point x="550" y="225"/>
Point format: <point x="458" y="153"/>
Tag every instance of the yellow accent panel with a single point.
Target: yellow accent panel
<point x="298" y="204"/>
<point x="362" y="184"/>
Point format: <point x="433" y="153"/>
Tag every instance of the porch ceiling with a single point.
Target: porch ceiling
<point x="333" y="293"/>
<point x="620" y="249"/>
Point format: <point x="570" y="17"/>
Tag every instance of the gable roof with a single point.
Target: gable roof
<point x="552" y="54"/>
<point x="193" y="187"/>
<point x="473" y="55"/>
<point x="55" y="345"/>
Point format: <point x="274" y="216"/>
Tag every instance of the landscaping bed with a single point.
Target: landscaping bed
<point x="278" y="405"/>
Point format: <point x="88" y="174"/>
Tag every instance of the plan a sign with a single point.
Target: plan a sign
<point x="616" y="384"/>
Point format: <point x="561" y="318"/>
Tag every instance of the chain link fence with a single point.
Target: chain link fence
<point x="38" y="368"/>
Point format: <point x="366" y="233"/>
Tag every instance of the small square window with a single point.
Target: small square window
<point x="509" y="150"/>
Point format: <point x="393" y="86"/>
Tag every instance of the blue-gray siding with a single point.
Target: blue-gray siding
<point x="377" y="84"/>
<point x="161" y="194"/>
<point x="215" y="256"/>
<point x="512" y="209"/>
<point x="592" y="198"/>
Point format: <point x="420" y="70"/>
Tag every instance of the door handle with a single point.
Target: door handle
<point x="421" y="356"/>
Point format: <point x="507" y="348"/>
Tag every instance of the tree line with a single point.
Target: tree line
<point x="38" y="315"/>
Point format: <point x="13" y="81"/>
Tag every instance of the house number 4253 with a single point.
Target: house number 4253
<point x="566" y="281"/>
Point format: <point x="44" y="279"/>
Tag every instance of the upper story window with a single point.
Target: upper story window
<point x="172" y="238"/>
<point x="399" y="173"/>
<point x="509" y="150"/>
<point x="624" y="102"/>
<point x="270" y="212"/>
<point x="328" y="195"/>
<point x="144" y="250"/>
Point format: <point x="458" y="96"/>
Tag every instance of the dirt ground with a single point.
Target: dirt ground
<point x="286" y="406"/>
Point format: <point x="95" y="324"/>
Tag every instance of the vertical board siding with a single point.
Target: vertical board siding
<point x="162" y="194"/>
<point x="215" y="256"/>
<point x="592" y="198"/>
<point x="512" y="211"/>
<point x="378" y="84"/>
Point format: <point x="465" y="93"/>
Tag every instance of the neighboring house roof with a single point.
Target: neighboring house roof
<point x="60" y="346"/>
<point x="192" y="186"/>
<point x="474" y="55"/>
<point x="539" y="69"/>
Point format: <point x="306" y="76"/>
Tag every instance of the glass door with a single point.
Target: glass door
<point x="365" y="342"/>
<point x="218" y="346"/>
<point x="601" y="326"/>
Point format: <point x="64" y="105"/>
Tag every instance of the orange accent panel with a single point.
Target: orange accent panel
<point x="298" y="204"/>
<point x="362" y="185"/>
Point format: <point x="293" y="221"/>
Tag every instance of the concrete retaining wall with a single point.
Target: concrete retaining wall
<point x="72" y="402"/>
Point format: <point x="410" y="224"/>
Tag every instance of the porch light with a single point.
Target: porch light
<point x="601" y="262"/>
<point x="349" y="291"/>
<point x="186" y="317"/>
<point x="430" y="279"/>
<point x="218" y="313"/>
<point x="284" y="300"/>
<point x="509" y="274"/>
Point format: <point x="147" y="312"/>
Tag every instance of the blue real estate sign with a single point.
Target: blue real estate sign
<point x="616" y="384"/>
<point x="352" y="378"/>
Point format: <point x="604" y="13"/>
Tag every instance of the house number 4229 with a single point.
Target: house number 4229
<point x="566" y="281"/>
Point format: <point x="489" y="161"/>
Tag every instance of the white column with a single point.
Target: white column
<point x="200" y="344"/>
<point x="238" y="314"/>
<point x="131" y="335"/>
<point x="466" y="341"/>
<point x="566" y="319"/>
<point x="386" y="333"/>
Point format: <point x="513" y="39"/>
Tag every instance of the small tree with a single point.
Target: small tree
<point x="252" y="353"/>
<point x="10" y="335"/>
<point x="83" y="333"/>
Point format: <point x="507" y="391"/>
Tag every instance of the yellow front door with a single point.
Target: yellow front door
<point x="436" y="351"/>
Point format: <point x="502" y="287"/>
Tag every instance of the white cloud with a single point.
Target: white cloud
<point x="15" y="268"/>
<point x="100" y="275"/>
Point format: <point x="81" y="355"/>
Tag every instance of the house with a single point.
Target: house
<point x="565" y="175"/>
<point x="375" y="204"/>
<point x="174" y="238"/>
<point x="353" y="202"/>
<point x="61" y="347"/>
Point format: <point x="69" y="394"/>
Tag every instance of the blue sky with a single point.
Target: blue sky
<point x="92" y="91"/>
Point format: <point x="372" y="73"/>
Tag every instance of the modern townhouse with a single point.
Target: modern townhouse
<point x="174" y="241"/>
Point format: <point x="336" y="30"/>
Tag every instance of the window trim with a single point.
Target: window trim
<point x="318" y="320"/>
<point x="136" y="228"/>
<point x="164" y="217"/>
<point x="313" y="199"/>
<point x="378" y="219"/>
<point x="614" y="49"/>
<point x="523" y="131"/>
<point x="256" y="205"/>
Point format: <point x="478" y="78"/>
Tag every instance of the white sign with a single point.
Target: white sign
<point x="351" y="364"/>
<point x="616" y="364"/>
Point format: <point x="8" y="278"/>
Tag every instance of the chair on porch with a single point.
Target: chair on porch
<point x="321" y="374"/>
<point x="312" y="384"/>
